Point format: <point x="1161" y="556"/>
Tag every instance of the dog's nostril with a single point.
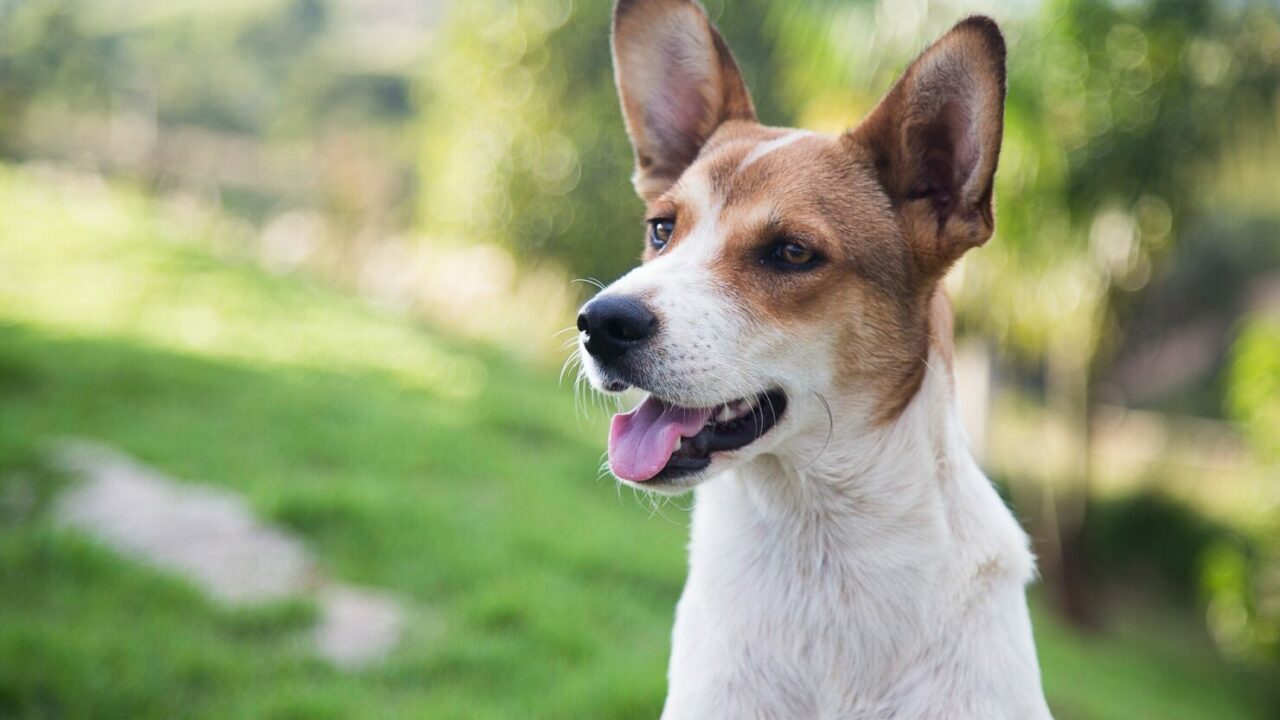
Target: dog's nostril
<point x="582" y="322"/>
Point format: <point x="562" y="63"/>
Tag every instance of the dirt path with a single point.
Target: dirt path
<point x="210" y="537"/>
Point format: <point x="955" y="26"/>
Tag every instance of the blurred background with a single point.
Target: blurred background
<point x="283" y="431"/>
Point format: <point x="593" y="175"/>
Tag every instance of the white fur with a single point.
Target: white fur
<point x="884" y="580"/>
<point x="768" y="146"/>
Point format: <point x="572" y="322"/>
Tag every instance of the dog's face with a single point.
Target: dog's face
<point x="784" y="271"/>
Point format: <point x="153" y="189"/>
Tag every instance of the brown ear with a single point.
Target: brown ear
<point x="936" y="138"/>
<point x="678" y="83"/>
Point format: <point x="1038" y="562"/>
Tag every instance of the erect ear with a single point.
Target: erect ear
<point x="678" y="83"/>
<point x="936" y="138"/>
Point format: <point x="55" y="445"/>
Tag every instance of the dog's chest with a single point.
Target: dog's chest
<point x="814" y="611"/>
<point x="775" y="650"/>
<point x="805" y="621"/>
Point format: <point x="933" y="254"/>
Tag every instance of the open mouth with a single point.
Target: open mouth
<point x="665" y="441"/>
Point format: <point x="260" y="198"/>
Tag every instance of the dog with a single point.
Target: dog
<point x="848" y="559"/>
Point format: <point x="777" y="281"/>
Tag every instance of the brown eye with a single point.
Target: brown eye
<point x="660" y="232"/>
<point x="791" y="256"/>
<point x="796" y="254"/>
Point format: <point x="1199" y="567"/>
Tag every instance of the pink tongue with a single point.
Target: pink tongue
<point x="642" y="441"/>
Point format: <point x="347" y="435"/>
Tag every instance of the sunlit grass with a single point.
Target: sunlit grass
<point x="83" y="259"/>
<point x="460" y="480"/>
<point x="1150" y="663"/>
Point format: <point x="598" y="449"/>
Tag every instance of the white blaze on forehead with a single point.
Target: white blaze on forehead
<point x="769" y="146"/>
<point x="698" y="191"/>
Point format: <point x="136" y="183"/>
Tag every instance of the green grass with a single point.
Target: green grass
<point x="445" y="472"/>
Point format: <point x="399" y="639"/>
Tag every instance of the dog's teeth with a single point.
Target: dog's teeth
<point x="733" y="411"/>
<point x="679" y="444"/>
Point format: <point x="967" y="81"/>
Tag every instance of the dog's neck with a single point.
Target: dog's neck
<point x="859" y="479"/>
<point x="892" y="520"/>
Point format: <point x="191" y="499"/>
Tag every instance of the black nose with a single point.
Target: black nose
<point x="614" y="325"/>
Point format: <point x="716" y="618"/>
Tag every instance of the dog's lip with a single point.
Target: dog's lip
<point x="695" y="454"/>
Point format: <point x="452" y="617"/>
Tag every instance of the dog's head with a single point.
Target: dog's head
<point x="784" y="271"/>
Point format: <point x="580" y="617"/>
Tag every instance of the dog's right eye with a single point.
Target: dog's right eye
<point x="660" y="232"/>
<point x="790" y="256"/>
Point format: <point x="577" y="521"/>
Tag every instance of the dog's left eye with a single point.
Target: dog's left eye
<point x="660" y="232"/>
<point x="791" y="255"/>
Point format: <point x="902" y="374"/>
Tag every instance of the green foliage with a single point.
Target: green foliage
<point x="1149" y="536"/>
<point x="1242" y="584"/>
<point x="523" y="141"/>
<point x="266" y="69"/>
<point x="45" y="50"/>
<point x="1118" y="113"/>
<point x="1254" y="395"/>
<point x="1166" y="548"/>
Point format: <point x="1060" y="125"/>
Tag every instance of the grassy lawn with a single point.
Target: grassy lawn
<point x="443" y="471"/>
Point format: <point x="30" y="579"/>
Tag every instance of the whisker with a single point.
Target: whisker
<point x="579" y="402"/>
<point x="668" y="500"/>
<point x="568" y="362"/>
<point x="772" y="411"/>
<point x="831" y="429"/>
<point x="589" y="281"/>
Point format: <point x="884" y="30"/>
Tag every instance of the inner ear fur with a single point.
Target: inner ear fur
<point x="678" y="82"/>
<point x="935" y="140"/>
